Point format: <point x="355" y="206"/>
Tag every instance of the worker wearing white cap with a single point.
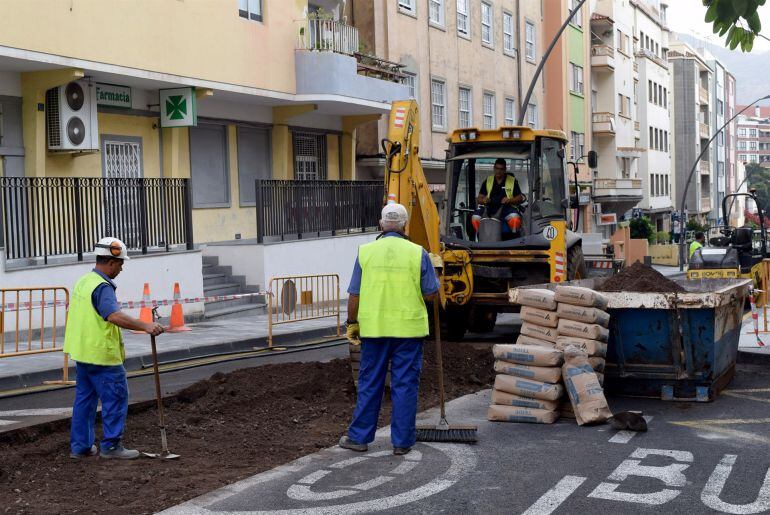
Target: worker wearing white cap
<point x="93" y="340"/>
<point x="392" y="278"/>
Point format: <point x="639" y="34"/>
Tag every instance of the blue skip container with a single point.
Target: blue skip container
<point x="673" y="346"/>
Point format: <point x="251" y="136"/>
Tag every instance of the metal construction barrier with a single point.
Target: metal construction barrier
<point x="295" y="298"/>
<point x="25" y="330"/>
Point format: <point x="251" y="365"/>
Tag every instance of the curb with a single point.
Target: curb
<point x="753" y="358"/>
<point x="144" y="361"/>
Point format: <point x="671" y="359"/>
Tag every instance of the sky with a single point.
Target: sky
<point x="687" y="16"/>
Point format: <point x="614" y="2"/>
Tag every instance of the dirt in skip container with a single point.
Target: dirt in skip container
<point x="226" y="428"/>
<point x="640" y="278"/>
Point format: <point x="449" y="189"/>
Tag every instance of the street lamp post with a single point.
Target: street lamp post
<point x="703" y="151"/>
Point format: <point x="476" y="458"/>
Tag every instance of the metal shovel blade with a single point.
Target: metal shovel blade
<point x="162" y="455"/>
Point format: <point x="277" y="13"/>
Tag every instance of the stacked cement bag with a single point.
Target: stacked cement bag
<point x="583" y="324"/>
<point x="527" y="387"/>
<point x="585" y="393"/>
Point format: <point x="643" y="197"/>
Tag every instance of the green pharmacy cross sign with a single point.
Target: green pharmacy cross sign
<point x="177" y="107"/>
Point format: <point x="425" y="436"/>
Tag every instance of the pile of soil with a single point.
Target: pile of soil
<point x="640" y="278"/>
<point x="226" y="428"/>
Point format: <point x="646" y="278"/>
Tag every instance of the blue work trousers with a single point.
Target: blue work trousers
<point x="95" y="383"/>
<point x="405" y="358"/>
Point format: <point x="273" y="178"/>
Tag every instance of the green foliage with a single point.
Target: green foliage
<point x="759" y="179"/>
<point x="642" y="229"/>
<point x="663" y="237"/>
<point x="738" y="19"/>
<point x="695" y="226"/>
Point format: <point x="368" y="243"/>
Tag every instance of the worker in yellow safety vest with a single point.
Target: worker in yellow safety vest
<point x="700" y="239"/>
<point x="499" y="194"/>
<point x="392" y="278"/>
<point x="93" y="340"/>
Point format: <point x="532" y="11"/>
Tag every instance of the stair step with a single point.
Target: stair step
<point x="234" y="311"/>
<point x="235" y="302"/>
<point x="222" y="289"/>
<point x="210" y="260"/>
<point x="215" y="279"/>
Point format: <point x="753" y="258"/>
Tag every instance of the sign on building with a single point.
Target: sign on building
<point x="607" y="219"/>
<point x="113" y="95"/>
<point x="177" y="107"/>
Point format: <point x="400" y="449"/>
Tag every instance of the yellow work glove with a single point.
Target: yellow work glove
<point x="353" y="333"/>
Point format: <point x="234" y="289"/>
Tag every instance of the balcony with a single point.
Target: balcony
<point x="604" y="123"/>
<point x="703" y="130"/>
<point x="705" y="204"/>
<point x="637" y="129"/>
<point x="327" y="62"/>
<point x="617" y="195"/>
<point x="703" y="95"/>
<point x="652" y="57"/>
<point x="704" y="167"/>
<point x="603" y="57"/>
<point x="636" y="67"/>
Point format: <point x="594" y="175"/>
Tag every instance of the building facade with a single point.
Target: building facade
<point x="718" y="146"/>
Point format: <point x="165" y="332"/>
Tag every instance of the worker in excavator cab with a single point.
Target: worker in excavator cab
<point x="498" y="195"/>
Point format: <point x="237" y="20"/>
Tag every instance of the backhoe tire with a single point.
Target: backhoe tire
<point x="576" y="264"/>
<point x="482" y="320"/>
<point x="454" y="323"/>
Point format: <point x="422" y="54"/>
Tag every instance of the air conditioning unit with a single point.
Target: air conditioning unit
<point x="597" y="209"/>
<point x="71" y="121"/>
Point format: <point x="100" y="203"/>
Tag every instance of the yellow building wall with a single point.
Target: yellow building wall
<point x="333" y="157"/>
<point x="164" y="36"/>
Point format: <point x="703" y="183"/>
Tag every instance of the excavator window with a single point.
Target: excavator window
<point x="549" y="192"/>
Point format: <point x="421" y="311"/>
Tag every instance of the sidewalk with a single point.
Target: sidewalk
<point x="204" y="339"/>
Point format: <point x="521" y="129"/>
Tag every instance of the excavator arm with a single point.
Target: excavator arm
<point x="405" y="184"/>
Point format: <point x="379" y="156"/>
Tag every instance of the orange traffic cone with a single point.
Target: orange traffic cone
<point x="177" y="316"/>
<point x="145" y="314"/>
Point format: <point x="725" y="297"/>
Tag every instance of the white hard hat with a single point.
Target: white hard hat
<point x="111" y="247"/>
<point x="393" y="212"/>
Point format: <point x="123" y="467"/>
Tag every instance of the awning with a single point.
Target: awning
<point x="492" y="154"/>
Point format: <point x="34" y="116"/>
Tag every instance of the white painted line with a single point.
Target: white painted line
<point x="625" y="436"/>
<point x="405" y="467"/>
<point x="379" y="454"/>
<point x="36" y="412"/>
<point x="716" y="483"/>
<point x="313" y="477"/>
<point x="349" y="462"/>
<point x="415" y="455"/>
<point x="553" y="498"/>
<point x="373" y="483"/>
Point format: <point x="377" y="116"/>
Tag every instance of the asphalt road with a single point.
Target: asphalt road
<point x="695" y="458"/>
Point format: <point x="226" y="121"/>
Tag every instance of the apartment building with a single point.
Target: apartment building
<point x="735" y="170"/>
<point x="692" y="80"/>
<point x="466" y="62"/>
<point x="753" y="135"/>
<point x="718" y="146"/>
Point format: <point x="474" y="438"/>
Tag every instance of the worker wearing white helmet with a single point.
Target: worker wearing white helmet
<point x="392" y="278"/>
<point x="93" y="340"/>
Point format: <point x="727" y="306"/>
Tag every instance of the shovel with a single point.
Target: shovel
<point x="164" y="453"/>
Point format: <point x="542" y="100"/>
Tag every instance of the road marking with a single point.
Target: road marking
<point x="744" y="394"/>
<point x="713" y="489"/>
<point x="553" y="498"/>
<point x="311" y="478"/>
<point x="347" y="463"/>
<point x="373" y="483"/>
<point x="625" y="436"/>
<point x="404" y="468"/>
<point x="714" y="425"/>
<point x="36" y="412"/>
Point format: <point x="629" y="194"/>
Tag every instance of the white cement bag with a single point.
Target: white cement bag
<point x="583" y="330"/>
<point x="509" y="399"/>
<point x="519" y="414"/>
<point x="583" y="387"/>
<point x="583" y="314"/>
<point x="540" y="317"/>
<point x="590" y="347"/>
<point x="536" y="298"/>
<point x="537" y="331"/>
<point x="523" y="339"/>
<point x="528" y="387"/>
<point x="544" y="374"/>
<point x="580" y="296"/>
<point x="528" y="355"/>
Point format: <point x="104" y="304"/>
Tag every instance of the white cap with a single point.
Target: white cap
<point x="111" y="247"/>
<point x="393" y="212"/>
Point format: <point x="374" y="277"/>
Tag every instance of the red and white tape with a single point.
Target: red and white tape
<point x="131" y="304"/>
<point x="755" y="317"/>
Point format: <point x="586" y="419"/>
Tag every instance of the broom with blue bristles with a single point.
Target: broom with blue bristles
<point x="443" y="431"/>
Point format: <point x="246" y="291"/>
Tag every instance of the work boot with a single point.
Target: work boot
<point x="90" y="452"/>
<point x="400" y="451"/>
<point x="120" y="453"/>
<point x="347" y="443"/>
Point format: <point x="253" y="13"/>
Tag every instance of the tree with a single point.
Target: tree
<point x="736" y="18"/>
<point x="759" y="179"/>
<point x="641" y="229"/>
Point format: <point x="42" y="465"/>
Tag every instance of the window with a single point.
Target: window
<point x="488" y="106"/>
<point x="657" y="140"/>
<point x="649" y="91"/>
<point x="752" y="158"/>
<point x="410" y="80"/>
<point x="486" y="24"/>
<point x="742" y="157"/>
<point x="406" y="5"/>
<point x="510" y="111"/>
<point x="309" y="156"/>
<point x="250" y="9"/>
<point x="577" y="20"/>
<point x="665" y="141"/>
<point x="463" y="17"/>
<point x="436" y="12"/>
<point x="508" y="41"/>
<point x="529" y="35"/>
<point x="742" y="133"/>
<point x="438" y="104"/>
<point x="624" y="106"/>
<point x="741" y="145"/>
<point x="720" y="107"/>
<point x="465" y="105"/>
<point x="752" y="133"/>
<point x="752" y="145"/>
<point x="721" y="139"/>
<point x="576" y="78"/>
<point x="665" y="97"/>
<point x="532" y="115"/>
<point x="576" y="145"/>
<point x="652" y="131"/>
<point x="655" y="94"/>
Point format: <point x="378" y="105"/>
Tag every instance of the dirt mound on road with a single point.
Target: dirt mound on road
<point x="226" y="428"/>
<point x="640" y="278"/>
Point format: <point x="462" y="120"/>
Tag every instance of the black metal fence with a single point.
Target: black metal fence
<point x="50" y="216"/>
<point x="297" y="209"/>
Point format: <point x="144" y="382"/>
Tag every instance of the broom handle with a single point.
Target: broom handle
<point x="439" y="360"/>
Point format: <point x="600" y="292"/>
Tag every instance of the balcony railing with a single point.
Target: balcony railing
<point x="603" y="123"/>
<point x="602" y="56"/>
<point x="703" y="95"/>
<point x="637" y="126"/>
<point x="617" y="184"/>
<point x="327" y="36"/>
<point x="300" y="209"/>
<point x="704" y="166"/>
<point x="652" y="57"/>
<point x="703" y="130"/>
<point x="705" y="203"/>
<point x="604" y="50"/>
<point x="49" y="216"/>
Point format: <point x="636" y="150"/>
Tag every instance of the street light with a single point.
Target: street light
<point x="682" y="220"/>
